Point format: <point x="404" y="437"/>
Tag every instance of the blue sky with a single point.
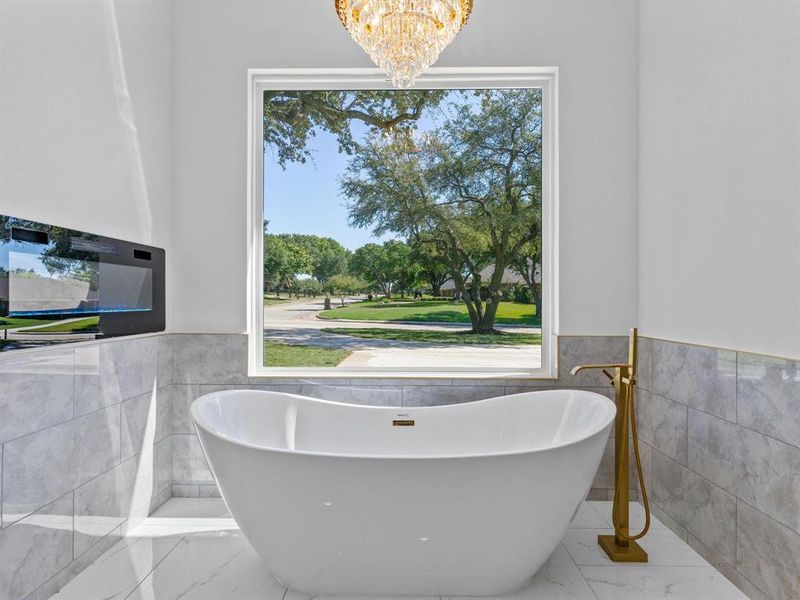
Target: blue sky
<point x="304" y="198"/>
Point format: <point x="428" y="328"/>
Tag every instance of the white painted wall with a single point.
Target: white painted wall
<point x="593" y="43"/>
<point x="85" y="116"/>
<point x="87" y="129"/>
<point x="719" y="178"/>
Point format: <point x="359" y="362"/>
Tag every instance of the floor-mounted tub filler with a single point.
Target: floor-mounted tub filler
<point x="466" y="499"/>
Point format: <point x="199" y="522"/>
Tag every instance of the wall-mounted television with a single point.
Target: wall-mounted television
<point x="61" y="285"/>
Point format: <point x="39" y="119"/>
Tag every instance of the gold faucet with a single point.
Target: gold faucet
<point x="622" y="546"/>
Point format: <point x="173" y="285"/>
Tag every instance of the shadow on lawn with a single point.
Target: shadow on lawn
<point x="319" y="338"/>
<point x="420" y="312"/>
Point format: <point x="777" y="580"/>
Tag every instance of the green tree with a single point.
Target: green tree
<point x="470" y="189"/>
<point x="328" y="257"/>
<point x="309" y="287"/>
<point x="284" y="259"/>
<point x="386" y="266"/>
<point x="432" y="268"/>
<point x="292" y="117"/>
<point x="527" y="264"/>
<point x="344" y="285"/>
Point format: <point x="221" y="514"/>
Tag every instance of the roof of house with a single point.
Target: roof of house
<point x="509" y="277"/>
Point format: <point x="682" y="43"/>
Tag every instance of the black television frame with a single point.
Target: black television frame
<point x="83" y="245"/>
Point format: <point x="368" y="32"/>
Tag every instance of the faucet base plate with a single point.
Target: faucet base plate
<point x="633" y="552"/>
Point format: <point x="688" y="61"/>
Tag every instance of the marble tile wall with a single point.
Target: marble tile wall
<point x="85" y="452"/>
<point x="720" y="435"/>
<point x="205" y="363"/>
<point x="92" y="437"/>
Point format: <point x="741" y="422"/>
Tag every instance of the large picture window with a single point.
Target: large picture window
<point x="402" y="231"/>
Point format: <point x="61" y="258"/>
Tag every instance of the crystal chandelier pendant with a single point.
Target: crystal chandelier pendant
<point x="403" y="37"/>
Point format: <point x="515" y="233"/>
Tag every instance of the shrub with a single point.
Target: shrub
<point x="521" y="293"/>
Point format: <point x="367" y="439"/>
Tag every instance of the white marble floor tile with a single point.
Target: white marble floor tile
<point x="660" y="583"/>
<point x="587" y="518"/>
<point x="117" y="572"/>
<point x="636" y="512"/>
<point x="190" y="549"/>
<point x="558" y="579"/>
<point x="294" y="595"/>
<point x="211" y="566"/>
<point x="663" y="548"/>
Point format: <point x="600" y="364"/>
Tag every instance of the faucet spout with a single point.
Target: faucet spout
<point x="578" y="368"/>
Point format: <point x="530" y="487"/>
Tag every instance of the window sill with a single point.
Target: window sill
<point x="373" y="373"/>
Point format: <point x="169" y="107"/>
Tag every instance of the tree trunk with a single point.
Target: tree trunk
<point x="486" y="324"/>
<point x="466" y="296"/>
<point x="473" y="298"/>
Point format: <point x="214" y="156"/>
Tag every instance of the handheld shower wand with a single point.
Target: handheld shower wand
<point x="622" y="546"/>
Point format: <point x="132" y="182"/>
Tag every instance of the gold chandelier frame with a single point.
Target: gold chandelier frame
<point x="342" y="7"/>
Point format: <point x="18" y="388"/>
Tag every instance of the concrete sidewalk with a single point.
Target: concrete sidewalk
<point x="296" y="323"/>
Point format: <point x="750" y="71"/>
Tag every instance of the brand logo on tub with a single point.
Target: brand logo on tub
<point x="402" y="420"/>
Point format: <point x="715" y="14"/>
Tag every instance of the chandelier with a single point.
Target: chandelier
<point x="403" y="37"/>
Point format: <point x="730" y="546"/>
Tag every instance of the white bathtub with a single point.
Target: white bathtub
<point x="338" y="499"/>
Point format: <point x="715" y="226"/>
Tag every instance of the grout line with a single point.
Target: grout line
<point x="119" y="457"/>
<point x="736" y="390"/>
<point x="735" y="497"/>
<point x="157" y="564"/>
<point x="51" y="426"/>
<point x="765" y="435"/>
<point x="74" y="375"/>
<point x="687" y="437"/>
<point x="73" y="528"/>
<point x="721" y="348"/>
<point x="172" y="359"/>
<point x="705" y="412"/>
<point x="734" y="566"/>
<point x="574" y="564"/>
<point x="770" y="517"/>
<point x="736" y="535"/>
<point x="761" y="433"/>
<point x="69" y="565"/>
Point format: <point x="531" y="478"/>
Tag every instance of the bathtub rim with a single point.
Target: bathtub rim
<point x="609" y="404"/>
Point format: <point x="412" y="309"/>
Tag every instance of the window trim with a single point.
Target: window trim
<point x="259" y="80"/>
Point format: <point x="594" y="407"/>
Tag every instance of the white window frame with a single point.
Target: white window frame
<point x="259" y="80"/>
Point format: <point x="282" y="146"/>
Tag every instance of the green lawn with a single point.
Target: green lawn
<point x="508" y="313"/>
<point x="86" y="325"/>
<point x="439" y="337"/>
<point x="14" y="322"/>
<point x="285" y="355"/>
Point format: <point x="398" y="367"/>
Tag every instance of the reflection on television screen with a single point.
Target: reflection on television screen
<point x="41" y="286"/>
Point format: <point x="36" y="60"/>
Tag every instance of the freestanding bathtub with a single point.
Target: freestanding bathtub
<point x="466" y="499"/>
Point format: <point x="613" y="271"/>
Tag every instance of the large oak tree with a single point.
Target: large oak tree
<point x="292" y="117"/>
<point x="470" y="190"/>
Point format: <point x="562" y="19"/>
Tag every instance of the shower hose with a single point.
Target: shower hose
<point x="629" y="414"/>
